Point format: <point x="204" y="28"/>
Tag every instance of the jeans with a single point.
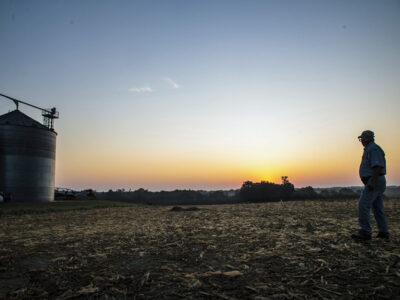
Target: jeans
<point x="373" y="199"/>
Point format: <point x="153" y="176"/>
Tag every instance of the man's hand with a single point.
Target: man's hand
<point x="376" y="172"/>
<point x="371" y="185"/>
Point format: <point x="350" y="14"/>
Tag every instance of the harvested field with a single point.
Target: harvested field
<point x="243" y="251"/>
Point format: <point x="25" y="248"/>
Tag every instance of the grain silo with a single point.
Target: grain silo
<point x="27" y="156"/>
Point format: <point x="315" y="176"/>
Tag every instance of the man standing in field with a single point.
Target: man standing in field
<point x="372" y="174"/>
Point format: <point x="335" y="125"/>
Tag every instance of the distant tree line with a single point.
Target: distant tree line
<point x="263" y="191"/>
<point x="342" y="193"/>
<point x="176" y="197"/>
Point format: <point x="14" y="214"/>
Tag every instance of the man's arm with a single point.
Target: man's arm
<point x="376" y="173"/>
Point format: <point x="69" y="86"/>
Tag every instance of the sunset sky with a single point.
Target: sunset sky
<point x="207" y="94"/>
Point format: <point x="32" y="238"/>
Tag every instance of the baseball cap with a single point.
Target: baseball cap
<point x="367" y="134"/>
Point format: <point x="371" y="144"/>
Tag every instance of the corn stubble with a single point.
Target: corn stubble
<point x="254" y="251"/>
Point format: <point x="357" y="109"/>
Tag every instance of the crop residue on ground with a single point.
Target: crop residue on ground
<point x="255" y="251"/>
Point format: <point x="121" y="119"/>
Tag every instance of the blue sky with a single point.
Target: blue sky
<point x="233" y="90"/>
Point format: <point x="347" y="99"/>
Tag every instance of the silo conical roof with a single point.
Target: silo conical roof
<point x="18" y="118"/>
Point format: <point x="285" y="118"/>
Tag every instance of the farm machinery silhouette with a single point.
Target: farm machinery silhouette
<point x="69" y="194"/>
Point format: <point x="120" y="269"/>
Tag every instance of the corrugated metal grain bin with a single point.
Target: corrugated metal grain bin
<point x="27" y="158"/>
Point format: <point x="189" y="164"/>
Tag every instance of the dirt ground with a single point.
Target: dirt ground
<point x="291" y="250"/>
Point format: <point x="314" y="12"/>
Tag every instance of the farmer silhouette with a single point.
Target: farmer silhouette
<point x="372" y="174"/>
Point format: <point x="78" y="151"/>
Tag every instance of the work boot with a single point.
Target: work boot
<point x="383" y="235"/>
<point x="361" y="236"/>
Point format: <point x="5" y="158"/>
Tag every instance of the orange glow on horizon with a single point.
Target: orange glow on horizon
<point x="317" y="165"/>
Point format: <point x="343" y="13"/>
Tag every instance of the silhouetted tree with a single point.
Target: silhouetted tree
<point x="287" y="188"/>
<point x="266" y="191"/>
